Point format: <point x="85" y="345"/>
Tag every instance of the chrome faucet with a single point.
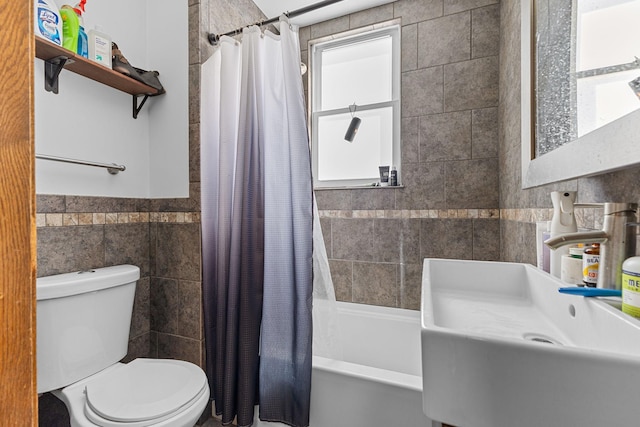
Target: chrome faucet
<point x="617" y="240"/>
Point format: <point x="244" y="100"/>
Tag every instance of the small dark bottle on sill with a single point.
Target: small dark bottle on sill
<point x="393" y="177"/>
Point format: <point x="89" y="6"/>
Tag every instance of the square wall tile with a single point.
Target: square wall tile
<point x="141" y="316"/>
<point x="444" y="40"/>
<point x="424" y="186"/>
<point x="127" y="244"/>
<point x="484" y="133"/>
<point x="471" y="84"/>
<point x="352" y="239"/>
<point x="165" y="305"/>
<point x="445" y="136"/>
<point x="412" y="11"/>
<point x="397" y="240"/>
<point x="342" y="277"/>
<point x="472" y="184"/>
<point x="178" y="251"/>
<point x="67" y="249"/>
<point x="422" y="92"/>
<point x="375" y="284"/>
<point x="176" y="347"/>
<point x="446" y="238"/>
<point x="371" y="16"/>
<point x="486" y="239"/>
<point x="409" y="47"/>
<point x="190" y="309"/>
<point x="485" y="31"/>
<point x="410" y="286"/>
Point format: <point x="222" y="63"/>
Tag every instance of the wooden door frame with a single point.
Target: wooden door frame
<point x="18" y="392"/>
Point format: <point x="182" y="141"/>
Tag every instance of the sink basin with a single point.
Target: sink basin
<point x="501" y="347"/>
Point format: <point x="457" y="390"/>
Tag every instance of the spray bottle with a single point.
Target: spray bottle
<point x="74" y="37"/>
<point x="70" y="27"/>
<point x="83" y="40"/>
<point x="563" y="221"/>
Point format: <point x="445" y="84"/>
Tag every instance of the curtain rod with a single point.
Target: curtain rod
<point x="213" y="38"/>
<point x="113" y="168"/>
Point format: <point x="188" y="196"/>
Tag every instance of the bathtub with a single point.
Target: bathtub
<point x="378" y="382"/>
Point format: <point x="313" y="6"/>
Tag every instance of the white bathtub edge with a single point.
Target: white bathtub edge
<point x="340" y="367"/>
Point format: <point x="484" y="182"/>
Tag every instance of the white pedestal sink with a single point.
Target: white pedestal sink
<point x="501" y="347"/>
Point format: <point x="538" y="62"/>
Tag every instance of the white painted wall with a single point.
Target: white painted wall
<point x="90" y="121"/>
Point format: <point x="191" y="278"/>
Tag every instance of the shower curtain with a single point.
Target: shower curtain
<point x="257" y="228"/>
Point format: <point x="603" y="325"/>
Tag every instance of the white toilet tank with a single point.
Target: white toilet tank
<point x="83" y="322"/>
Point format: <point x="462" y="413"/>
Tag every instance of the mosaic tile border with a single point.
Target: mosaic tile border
<point x="410" y="214"/>
<point x="585" y="217"/>
<point x="108" y="218"/>
<point x="589" y="217"/>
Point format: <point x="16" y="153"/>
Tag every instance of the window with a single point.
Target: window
<point x="358" y="72"/>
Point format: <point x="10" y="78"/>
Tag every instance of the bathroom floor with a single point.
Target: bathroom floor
<point x="212" y="422"/>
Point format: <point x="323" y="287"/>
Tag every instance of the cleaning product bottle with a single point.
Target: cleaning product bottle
<point x="48" y="21"/>
<point x="83" y="40"/>
<point x="74" y="37"/>
<point x="631" y="286"/>
<point x="70" y="28"/>
<point x="563" y="221"/>
<point x="100" y="47"/>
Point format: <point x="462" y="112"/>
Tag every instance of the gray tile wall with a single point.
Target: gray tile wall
<point x="449" y="154"/>
<point x="73" y="236"/>
<point x="518" y="235"/>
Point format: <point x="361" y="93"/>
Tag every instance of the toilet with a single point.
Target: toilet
<point x="83" y="322"/>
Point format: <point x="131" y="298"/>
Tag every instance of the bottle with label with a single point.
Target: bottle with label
<point x="48" y="22"/>
<point x="590" y="265"/>
<point x="393" y="177"/>
<point x="83" y="40"/>
<point x="70" y="28"/>
<point x="631" y="286"/>
<point x="563" y="221"/>
<point x="100" y="47"/>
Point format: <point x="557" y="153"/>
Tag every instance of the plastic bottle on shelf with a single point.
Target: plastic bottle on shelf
<point x="100" y="47"/>
<point x="83" y="39"/>
<point x="74" y="37"/>
<point x="70" y="28"/>
<point x="48" y="23"/>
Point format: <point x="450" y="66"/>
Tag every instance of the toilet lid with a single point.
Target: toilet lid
<point x="145" y="389"/>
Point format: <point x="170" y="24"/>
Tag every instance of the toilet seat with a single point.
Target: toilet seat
<point x="143" y="392"/>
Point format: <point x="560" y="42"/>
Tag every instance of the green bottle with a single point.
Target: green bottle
<point x="70" y="28"/>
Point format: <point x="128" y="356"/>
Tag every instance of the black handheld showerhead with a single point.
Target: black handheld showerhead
<point x="352" y="129"/>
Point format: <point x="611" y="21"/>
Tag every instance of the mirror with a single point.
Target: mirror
<point x="575" y="127"/>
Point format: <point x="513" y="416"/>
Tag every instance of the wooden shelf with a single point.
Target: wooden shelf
<point x="48" y="51"/>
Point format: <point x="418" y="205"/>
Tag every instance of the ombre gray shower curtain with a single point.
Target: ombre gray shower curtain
<point x="257" y="228"/>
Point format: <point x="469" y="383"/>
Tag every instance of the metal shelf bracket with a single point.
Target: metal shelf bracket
<point x="52" y="68"/>
<point x="136" y="107"/>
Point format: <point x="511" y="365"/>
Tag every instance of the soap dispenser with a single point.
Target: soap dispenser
<point x="563" y="221"/>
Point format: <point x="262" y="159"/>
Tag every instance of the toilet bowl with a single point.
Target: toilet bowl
<point x="83" y="322"/>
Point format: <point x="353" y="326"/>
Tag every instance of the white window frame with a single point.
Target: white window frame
<point x="390" y="28"/>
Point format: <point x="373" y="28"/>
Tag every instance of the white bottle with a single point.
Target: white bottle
<point x="563" y="221"/>
<point x="48" y="23"/>
<point x="100" y="47"/>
